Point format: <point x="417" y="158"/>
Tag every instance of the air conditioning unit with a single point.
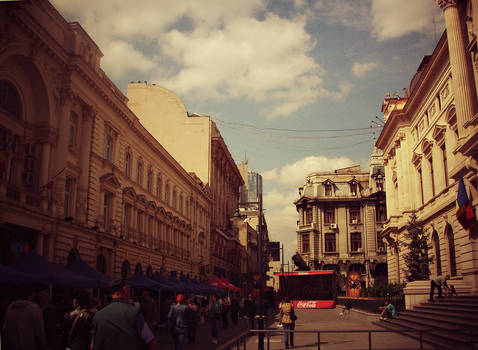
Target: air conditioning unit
<point x="334" y="226"/>
<point x="359" y="250"/>
<point x="354" y="221"/>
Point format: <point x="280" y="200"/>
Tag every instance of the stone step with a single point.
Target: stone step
<point x="437" y="343"/>
<point x="443" y="316"/>
<point x="452" y="310"/>
<point x="453" y="303"/>
<point x="456" y="332"/>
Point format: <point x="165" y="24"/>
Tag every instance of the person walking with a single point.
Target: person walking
<point x="177" y="323"/>
<point x="288" y="322"/>
<point x="214" y="312"/>
<point x="226" y="303"/>
<point x="191" y="315"/>
<point x="437" y="283"/>
<point x="78" y="324"/>
<point x="250" y="310"/>
<point x="23" y="328"/>
<point x="120" y="325"/>
<point x="235" y="310"/>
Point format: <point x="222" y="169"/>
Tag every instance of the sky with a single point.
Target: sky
<point x="293" y="85"/>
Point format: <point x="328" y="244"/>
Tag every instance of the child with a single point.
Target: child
<point x="388" y="311"/>
<point x="347" y="307"/>
<point x="449" y="290"/>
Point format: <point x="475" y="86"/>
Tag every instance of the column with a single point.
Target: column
<point x="465" y="98"/>
<point x="61" y="153"/>
<point x="86" y="130"/>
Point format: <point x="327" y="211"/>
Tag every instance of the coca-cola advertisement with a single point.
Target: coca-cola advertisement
<point x="314" y="304"/>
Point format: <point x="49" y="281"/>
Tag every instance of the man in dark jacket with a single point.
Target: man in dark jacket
<point x="23" y="328"/>
<point x="120" y="325"/>
<point x="78" y="324"/>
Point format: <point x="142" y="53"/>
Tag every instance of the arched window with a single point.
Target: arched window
<point x="73" y="256"/>
<point x="149" y="271"/>
<point x="9" y="99"/>
<point x="451" y="249"/>
<point x="138" y="268"/>
<point x="436" y="247"/>
<point x="125" y="269"/>
<point x="101" y="263"/>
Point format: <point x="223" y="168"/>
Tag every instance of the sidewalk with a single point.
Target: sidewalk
<point x="203" y="334"/>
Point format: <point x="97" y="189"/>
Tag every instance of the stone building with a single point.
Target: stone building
<point x="430" y="140"/>
<point x="340" y="217"/>
<point x="196" y="143"/>
<point x="80" y="176"/>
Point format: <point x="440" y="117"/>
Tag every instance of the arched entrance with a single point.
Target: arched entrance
<point x="73" y="256"/>
<point x="125" y="269"/>
<point x="149" y="271"/>
<point x="436" y="249"/>
<point x="138" y="268"/>
<point x="101" y="263"/>
<point x="380" y="274"/>
<point x="451" y="248"/>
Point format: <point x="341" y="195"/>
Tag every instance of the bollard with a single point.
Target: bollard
<point x="260" y="335"/>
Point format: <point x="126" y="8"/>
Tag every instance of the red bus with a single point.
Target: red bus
<point x="309" y="289"/>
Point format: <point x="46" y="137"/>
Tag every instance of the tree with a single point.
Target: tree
<point x="417" y="259"/>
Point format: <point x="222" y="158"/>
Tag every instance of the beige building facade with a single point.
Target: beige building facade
<point x="340" y="217"/>
<point x="429" y="141"/>
<point x="195" y="141"/>
<point x="80" y="176"/>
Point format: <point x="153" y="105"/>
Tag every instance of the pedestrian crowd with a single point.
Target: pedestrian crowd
<point x="117" y="320"/>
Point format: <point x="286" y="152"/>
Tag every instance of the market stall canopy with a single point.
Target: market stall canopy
<point x="141" y="281"/>
<point x="216" y="282"/>
<point x="81" y="267"/>
<point x="230" y="286"/>
<point x="183" y="287"/>
<point x="13" y="276"/>
<point x="165" y="284"/>
<point x="51" y="274"/>
<point x="192" y="285"/>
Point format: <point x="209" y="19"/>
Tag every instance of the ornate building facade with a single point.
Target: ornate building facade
<point x="195" y="141"/>
<point x="430" y="140"/>
<point x="80" y="176"/>
<point x="340" y="217"/>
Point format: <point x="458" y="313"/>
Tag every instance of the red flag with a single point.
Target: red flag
<point x="465" y="213"/>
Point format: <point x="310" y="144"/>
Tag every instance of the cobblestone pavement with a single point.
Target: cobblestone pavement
<point x="323" y="319"/>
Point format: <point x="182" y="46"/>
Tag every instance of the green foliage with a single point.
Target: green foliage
<point x="416" y="256"/>
<point x="384" y="290"/>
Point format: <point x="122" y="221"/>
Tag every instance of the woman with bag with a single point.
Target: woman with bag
<point x="288" y="322"/>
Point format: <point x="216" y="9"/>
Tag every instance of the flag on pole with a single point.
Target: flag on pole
<point x="464" y="212"/>
<point x="49" y="184"/>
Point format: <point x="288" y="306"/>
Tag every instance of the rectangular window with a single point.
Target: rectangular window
<point x="107" y="211"/>
<point x="355" y="241"/>
<point x="355" y="215"/>
<point x="329" y="216"/>
<point x="140" y="227"/>
<point x="109" y="148"/>
<point x="308" y="216"/>
<point x="330" y="245"/>
<point x="379" y="183"/>
<point x="127" y="166"/>
<point x="305" y="244"/>
<point x="150" y="182"/>
<point x="445" y="166"/>
<point x="69" y="197"/>
<point x="380" y="243"/>
<point x="73" y="128"/>
<point x="430" y="164"/>
<point x="128" y="229"/>
<point x="420" y="179"/>
<point x="353" y="189"/>
<point x="328" y="190"/>
<point x="381" y="212"/>
<point x="139" y="174"/>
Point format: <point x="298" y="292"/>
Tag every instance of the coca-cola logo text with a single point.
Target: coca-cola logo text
<point x="306" y="304"/>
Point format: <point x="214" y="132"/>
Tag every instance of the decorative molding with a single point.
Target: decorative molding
<point x="445" y="4"/>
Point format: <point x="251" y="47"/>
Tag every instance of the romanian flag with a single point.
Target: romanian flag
<point x="464" y="212"/>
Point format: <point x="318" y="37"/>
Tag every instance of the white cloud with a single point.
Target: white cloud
<point x="392" y="19"/>
<point x="121" y="56"/>
<point x="215" y="49"/>
<point x="294" y="174"/>
<point x="361" y="69"/>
